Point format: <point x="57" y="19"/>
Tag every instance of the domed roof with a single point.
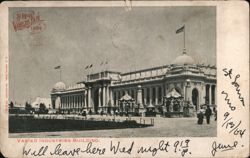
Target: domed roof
<point x="59" y="86"/>
<point x="184" y="59"/>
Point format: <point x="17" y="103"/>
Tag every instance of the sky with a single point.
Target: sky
<point x="128" y="40"/>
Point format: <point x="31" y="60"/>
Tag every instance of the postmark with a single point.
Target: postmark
<point x="28" y="20"/>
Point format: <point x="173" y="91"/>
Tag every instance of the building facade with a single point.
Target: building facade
<point x="195" y="83"/>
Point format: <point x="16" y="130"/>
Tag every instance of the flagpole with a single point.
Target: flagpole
<point x="60" y="74"/>
<point x="184" y="48"/>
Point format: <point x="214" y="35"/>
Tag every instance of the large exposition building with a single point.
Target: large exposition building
<point x="192" y="84"/>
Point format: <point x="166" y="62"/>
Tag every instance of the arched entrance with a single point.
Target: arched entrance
<point x="57" y="103"/>
<point x="195" y="98"/>
<point x="96" y="100"/>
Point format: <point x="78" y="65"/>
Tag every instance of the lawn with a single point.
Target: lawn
<point x="163" y="127"/>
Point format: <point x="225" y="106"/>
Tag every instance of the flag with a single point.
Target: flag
<point x="87" y="67"/>
<point x="180" y="29"/>
<point x="58" y="67"/>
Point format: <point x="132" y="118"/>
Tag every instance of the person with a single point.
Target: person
<point x="200" y="117"/>
<point x="215" y="114"/>
<point x="208" y="113"/>
<point x="90" y="112"/>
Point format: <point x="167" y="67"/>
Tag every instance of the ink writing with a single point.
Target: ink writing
<point x="229" y="73"/>
<point x="222" y="147"/>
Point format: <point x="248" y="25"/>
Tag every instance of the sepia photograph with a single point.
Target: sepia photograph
<point x="124" y="79"/>
<point x="109" y="72"/>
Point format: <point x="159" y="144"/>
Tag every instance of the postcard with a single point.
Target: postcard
<point x="124" y="79"/>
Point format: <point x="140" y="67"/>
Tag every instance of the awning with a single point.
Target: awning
<point x="151" y="106"/>
<point x="173" y="94"/>
<point x="126" y="97"/>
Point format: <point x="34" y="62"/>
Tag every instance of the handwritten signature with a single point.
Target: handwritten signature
<point x="222" y="147"/>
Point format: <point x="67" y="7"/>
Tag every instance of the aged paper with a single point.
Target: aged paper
<point x="124" y="79"/>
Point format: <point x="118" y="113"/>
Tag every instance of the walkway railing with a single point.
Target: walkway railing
<point x="139" y="120"/>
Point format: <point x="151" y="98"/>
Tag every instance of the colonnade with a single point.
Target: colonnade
<point x="149" y="94"/>
<point x="72" y="101"/>
<point x="143" y="95"/>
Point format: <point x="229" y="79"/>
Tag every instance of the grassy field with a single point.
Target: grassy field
<point x="163" y="127"/>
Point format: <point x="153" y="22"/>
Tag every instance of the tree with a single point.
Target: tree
<point x="42" y="108"/>
<point x="28" y="107"/>
<point x="11" y="105"/>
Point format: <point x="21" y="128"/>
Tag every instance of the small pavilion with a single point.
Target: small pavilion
<point x="127" y="105"/>
<point x="173" y="104"/>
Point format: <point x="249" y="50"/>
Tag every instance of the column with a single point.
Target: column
<point x="74" y="103"/>
<point x="76" y="100"/>
<point x="145" y="96"/>
<point x="215" y="95"/>
<point x="99" y="97"/>
<point x="107" y="95"/>
<point x="162" y="94"/>
<point x="69" y="101"/>
<point x="89" y="97"/>
<point x="210" y="95"/>
<point x="66" y="101"/>
<point x="85" y="98"/>
<point x="117" y="98"/>
<point x="103" y="95"/>
<point x="81" y="100"/>
<point x="111" y="97"/>
<point x="184" y="91"/>
<point x="166" y="90"/>
<point x="139" y="97"/>
<point x="135" y="95"/>
<point x="61" y="102"/>
<point x="203" y="94"/>
<point x="150" y="95"/>
<point x="156" y="95"/>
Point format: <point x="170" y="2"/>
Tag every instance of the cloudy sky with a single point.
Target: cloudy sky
<point x="129" y="40"/>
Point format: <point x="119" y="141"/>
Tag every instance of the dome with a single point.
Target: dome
<point x="59" y="86"/>
<point x="184" y="59"/>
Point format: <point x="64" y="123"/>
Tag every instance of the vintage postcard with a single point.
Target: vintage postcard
<point x="124" y="79"/>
